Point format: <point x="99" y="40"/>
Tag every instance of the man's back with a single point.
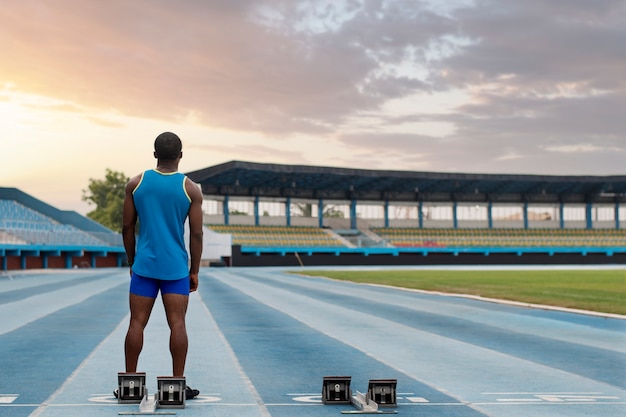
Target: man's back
<point x="162" y="206"/>
<point x="159" y="201"/>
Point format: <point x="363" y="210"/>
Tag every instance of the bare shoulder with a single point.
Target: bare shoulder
<point x="133" y="182"/>
<point x="193" y="189"/>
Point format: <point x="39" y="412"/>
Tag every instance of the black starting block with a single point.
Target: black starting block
<point x="171" y="392"/>
<point x="336" y="390"/>
<point x="131" y="387"/>
<point x="383" y="392"/>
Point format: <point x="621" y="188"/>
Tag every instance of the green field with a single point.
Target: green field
<point x="594" y="290"/>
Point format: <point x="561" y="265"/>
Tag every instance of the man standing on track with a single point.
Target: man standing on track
<point x="160" y="200"/>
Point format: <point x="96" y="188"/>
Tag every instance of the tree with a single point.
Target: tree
<point x="306" y="210"/>
<point x="108" y="197"/>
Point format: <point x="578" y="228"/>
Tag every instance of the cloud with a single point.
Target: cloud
<point x="543" y="43"/>
<point x="257" y="153"/>
<point x="149" y="58"/>
<point x="512" y="83"/>
<point x="582" y="148"/>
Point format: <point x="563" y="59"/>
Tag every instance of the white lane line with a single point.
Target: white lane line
<point x="542" y="393"/>
<point x="8" y="398"/>
<point x="554" y="397"/>
<point x="51" y="398"/>
<point x="311" y="312"/>
<point x="42" y="305"/>
<point x="249" y="385"/>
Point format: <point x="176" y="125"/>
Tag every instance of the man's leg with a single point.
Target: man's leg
<point x="175" y="310"/>
<point x="140" y="309"/>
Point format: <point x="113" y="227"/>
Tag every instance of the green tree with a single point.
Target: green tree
<point x="108" y="196"/>
<point x="331" y="211"/>
<point x="306" y="210"/>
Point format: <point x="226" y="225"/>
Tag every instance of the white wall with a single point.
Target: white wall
<point x="214" y="245"/>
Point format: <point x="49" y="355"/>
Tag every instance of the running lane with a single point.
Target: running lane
<point x="50" y="323"/>
<point x="262" y="340"/>
<point x="451" y="356"/>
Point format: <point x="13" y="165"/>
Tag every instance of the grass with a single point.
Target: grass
<point x="600" y="291"/>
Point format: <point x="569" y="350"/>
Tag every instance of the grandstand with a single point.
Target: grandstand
<point x="425" y="238"/>
<point x="504" y="237"/>
<point x="280" y="236"/>
<point x="351" y="216"/>
<point x="270" y="214"/>
<point x="34" y="234"/>
<point x="21" y="224"/>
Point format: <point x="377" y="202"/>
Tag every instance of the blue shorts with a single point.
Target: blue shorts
<point x="149" y="287"/>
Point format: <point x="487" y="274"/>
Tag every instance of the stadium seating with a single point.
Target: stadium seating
<point x="22" y="225"/>
<point x="298" y="236"/>
<point x="504" y="237"/>
<point x="274" y="236"/>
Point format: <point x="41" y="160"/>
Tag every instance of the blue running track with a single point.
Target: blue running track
<point x="262" y="340"/>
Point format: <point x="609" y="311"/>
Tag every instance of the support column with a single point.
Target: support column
<point x="225" y="209"/>
<point x="420" y="214"/>
<point x="386" y="213"/>
<point x="320" y="212"/>
<point x="455" y="219"/>
<point x="589" y="215"/>
<point x="525" y="213"/>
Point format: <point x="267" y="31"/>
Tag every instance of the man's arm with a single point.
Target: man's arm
<point x="129" y="221"/>
<point x="195" y="231"/>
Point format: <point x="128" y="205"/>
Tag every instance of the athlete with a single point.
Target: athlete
<point x="158" y="202"/>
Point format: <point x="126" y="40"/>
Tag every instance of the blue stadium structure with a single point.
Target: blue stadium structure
<point x="356" y="216"/>
<point x="34" y="234"/>
<point x="313" y="215"/>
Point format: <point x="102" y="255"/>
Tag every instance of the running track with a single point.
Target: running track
<point x="261" y="341"/>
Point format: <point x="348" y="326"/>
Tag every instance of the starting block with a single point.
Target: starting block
<point x="336" y="390"/>
<point x="380" y="393"/>
<point x="131" y="387"/>
<point x="171" y="392"/>
<point x="364" y="405"/>
<point x="383" y="392"/>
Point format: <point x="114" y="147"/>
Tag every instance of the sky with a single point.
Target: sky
<point x="464" y="86"/>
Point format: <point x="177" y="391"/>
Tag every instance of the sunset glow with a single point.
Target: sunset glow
<point x="455" y="86"/>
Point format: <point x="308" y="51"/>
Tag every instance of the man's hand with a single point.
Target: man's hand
<point x="193" y="282"/>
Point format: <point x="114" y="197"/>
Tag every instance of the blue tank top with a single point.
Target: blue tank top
<point x="162" y="205"/>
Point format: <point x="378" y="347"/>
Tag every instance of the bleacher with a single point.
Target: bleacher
<point x="22" y="225"/>
<point x="503" y="237"/>
<point x="400" y="237"/>
<point x="278" y="236"/>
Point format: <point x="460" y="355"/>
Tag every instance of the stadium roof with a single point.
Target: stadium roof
<point x="251" y="179"/>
